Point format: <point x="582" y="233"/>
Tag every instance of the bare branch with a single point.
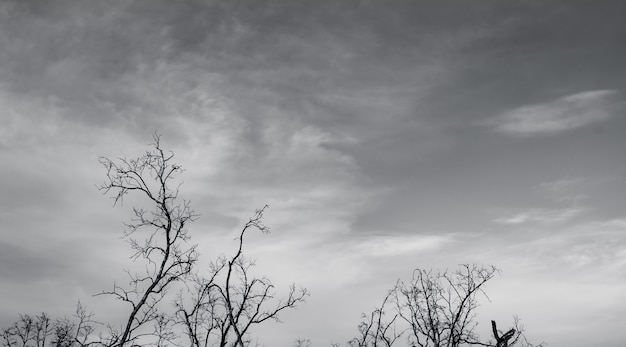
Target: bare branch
<point x="230" y="301"/>
<point x="377" y="330"/>
<point x="439" y="307"/>
<point x="151" y="175"/>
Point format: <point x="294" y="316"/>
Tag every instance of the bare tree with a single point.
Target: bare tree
<point x="515" y="335"/>
<point x="440" y="307"/>
<point x="231" y="300"/>
<point x="163" y="248"/>
<point x="435" y="309"/>
<point x="42" y="331"/>
<point x="302" y="342"/>
<point x="501" y="340"/>
<point x="375" y="330"/>
<point x="223" y="306"/>
<point x="28" y="331"/>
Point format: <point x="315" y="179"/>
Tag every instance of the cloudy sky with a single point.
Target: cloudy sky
<point x="384" y="135"/>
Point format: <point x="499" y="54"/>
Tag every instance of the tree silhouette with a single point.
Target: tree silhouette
<point x="163" y="246"/>
<point x="437" y="309"/>
<point x="227" y="303"/>
<point x="220" y="305"/>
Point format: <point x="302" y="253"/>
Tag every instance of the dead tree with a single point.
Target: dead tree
<point x="436" y="309"/>
<point x="231" y="300"/>
<point x="162" y="246"/>
<point x="28" y="331"/>
<point x="223" y="306"/>
<point x="513" y="337"/>
<point x="440" y="307"/>
<point x="42" y="331"/>
<point x="227" y="303"/>
<point x="302" y="342"/>
<point x="375" y="330"/>
<point x="501" y="341"/>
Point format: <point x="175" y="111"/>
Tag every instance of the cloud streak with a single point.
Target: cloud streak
<point x="557" y="116"/>
<point x="541" y="216"/>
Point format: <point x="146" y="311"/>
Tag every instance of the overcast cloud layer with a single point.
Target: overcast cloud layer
<point x="384" y="135"/>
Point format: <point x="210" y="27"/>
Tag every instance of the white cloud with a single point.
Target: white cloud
<point x="596" y="245"/>
<point x="540" y="215"/>
<point x="383" y="246"/>
<point x="556" y="116"/>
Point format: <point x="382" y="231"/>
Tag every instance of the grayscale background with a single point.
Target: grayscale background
<point x="384" y="135"/>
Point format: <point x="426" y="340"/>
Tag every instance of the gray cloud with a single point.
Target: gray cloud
<point x="355" y="120"/>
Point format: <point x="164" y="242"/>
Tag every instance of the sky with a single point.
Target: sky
<point x="385" y="136"/>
